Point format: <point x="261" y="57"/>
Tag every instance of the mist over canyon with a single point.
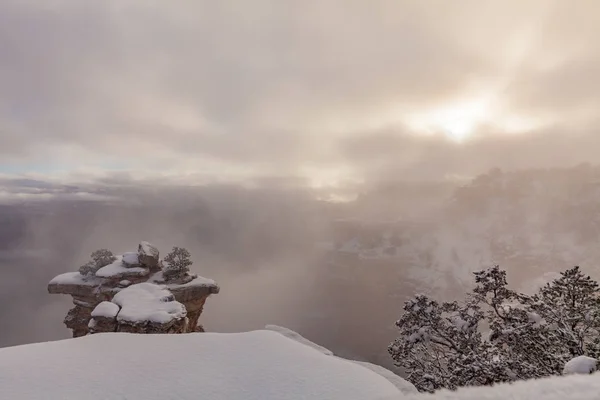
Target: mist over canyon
<point x="337" y="272"/>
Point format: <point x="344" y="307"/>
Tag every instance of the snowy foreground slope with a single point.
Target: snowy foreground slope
<point x="253" y="365"/>
<point x="272" y="364"/>
<point x="574" y="387"/>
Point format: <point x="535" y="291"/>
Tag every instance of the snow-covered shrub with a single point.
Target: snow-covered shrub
<point x="177" y="262"/>
<point x="100" y="258"/>
<point x="441" y="345"/>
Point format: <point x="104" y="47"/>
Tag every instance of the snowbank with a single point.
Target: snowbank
<point x="290" y="334"/>
<point x="259" y="365"/>
<point x="574" y="387"/>
<point x="401" y="384"/>
<point x="580" y="365"/>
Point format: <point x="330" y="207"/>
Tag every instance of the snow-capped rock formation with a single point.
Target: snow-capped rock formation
<point x="107" y="289"/>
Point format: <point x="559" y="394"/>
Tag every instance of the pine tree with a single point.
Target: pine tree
<point x="519" y="335"/>
<point x="571" y="307"/>
<point x="441" y="344"/>
<point x="176" y="263"/>
<point x="100" y="258"/>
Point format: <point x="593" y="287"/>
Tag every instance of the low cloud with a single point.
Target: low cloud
<point x="230" y="90"/>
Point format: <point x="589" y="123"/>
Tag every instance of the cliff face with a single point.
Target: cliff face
<point x="131" y="293"/>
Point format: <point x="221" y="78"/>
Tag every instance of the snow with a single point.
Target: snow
<point x="580" y="365"/>
<point x="148" y="302"/>
<point x="105" y="309"/>
<point x="420" y="335"/>
<point x="402" y="385"/>
<point x="147" y="248"/>
<point x="460" y="323"/>
<point x="198" y="281"/>
<point x="290" y="334"/>
<point x="575" y="387"/>
<point x="535" y="318"/>
<point x="74" y="278"/>
<point x="119" y="268"/>
<point x="259" y="365"/>
<point x="131" y="258"/>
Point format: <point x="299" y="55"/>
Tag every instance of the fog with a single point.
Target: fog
<point x="322" y="161"/>
<point x="284" y="256"/>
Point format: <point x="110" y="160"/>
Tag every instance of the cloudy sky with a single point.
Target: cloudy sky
<point x="325" y="91"/>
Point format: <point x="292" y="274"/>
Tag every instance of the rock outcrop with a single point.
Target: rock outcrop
<point x="132" y="293"/>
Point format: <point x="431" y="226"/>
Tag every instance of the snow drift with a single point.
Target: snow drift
<point x="259" y="365"/>
<point x="401" y="384"/>
<point x="574" y="387"/>
<point x="274" y="364"/>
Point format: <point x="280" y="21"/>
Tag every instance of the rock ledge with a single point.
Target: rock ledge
<point x="131" y="293"/>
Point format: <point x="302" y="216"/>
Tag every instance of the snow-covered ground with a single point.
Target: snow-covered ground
<point x="259" y="365"/>
<point x="275" y="364"/>
<point x="575" y="387"/>
<point x="401" y="384"/>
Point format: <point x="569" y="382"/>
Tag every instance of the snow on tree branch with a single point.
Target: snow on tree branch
<point x="496" y="334"/>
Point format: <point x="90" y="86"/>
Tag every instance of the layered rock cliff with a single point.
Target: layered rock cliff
<point x="135" y="292"/>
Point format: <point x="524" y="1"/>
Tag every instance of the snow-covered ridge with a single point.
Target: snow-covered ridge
<point x="401" y="384"/>
<point x="259" y="365"/>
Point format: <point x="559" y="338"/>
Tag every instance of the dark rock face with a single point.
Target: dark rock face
<point x="91" y="289"/>
<point x="77" y="319"/>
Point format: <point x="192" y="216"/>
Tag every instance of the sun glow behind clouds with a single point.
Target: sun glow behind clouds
<point x="458" y="121"/>
<point x="463" y="121"/>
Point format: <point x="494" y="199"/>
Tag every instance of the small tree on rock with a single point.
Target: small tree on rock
<point x="176" y="263"/>
<point x="100" y="258"/>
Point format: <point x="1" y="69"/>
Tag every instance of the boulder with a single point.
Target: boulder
<point x="148" y="256"/>
<point x="131" y="259"/>
<point x="104" y="318"/>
